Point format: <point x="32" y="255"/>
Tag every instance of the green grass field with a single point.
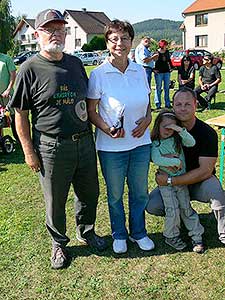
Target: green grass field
<point x="164" y="274"/>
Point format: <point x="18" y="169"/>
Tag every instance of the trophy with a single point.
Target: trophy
<point x="114" y="117"/>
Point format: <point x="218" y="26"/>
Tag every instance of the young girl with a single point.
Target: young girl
<point x="167" y="153"/>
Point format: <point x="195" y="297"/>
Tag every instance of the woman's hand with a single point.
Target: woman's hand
<point x="143" y="124"/>
<point x="116" y="132"/>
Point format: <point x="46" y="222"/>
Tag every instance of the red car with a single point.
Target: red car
<point x="196" y="58"/>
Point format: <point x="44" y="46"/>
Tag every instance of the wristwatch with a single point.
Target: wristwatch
<point x="169" y="181"/>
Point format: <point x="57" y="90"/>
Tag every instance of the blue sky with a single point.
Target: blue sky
<point x="130" y="10"/>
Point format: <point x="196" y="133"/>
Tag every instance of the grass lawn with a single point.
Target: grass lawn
<point x="163" y="274"/>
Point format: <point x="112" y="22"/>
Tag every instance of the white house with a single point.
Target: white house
<point x="204" y="25"/>
<point x="81" y="28"/>
<point x="24" y="34"/>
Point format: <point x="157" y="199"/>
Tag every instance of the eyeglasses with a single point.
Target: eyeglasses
<point x="125" y="39"/>
<point x="53" y="30"/>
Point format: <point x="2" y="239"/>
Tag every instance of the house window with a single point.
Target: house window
<point x="201" y="40"/>
<point x="23" y="37"/>
<point x="201" y="20"/>
<point x="68" y="30"/>
<point x="77" y="42"/>
<point x="32" y="36"/>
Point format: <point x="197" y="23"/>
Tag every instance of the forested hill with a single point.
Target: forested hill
<point x="159" y="29"/>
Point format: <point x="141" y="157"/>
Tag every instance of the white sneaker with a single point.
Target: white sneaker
<point x="120" y="246"/>
<point x="145" y="243"/>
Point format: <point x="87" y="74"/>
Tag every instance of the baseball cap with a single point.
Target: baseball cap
<point x="48" y="15"/>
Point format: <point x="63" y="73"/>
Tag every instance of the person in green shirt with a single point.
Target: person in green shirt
<point x="7" y="79"/>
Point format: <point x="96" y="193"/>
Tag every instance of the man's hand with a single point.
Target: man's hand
<point x="204" y="87"/>
<point x="161" y="178"/>
<point x="33" y="162"/>
<point x="143" y="124"/>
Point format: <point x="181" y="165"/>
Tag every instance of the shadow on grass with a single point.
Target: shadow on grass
<point x="210" y="239"/>
<point x="16" y="157"/>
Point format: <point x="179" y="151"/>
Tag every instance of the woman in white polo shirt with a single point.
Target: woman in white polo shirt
<point x="118" y="105"/>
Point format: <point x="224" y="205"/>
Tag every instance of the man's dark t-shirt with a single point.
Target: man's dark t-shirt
<point x="54" y="92"/>
<point x="209" y="75"/>
<point x="206" y="144"/>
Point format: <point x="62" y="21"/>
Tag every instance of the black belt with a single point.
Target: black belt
<point x="74" y="137"/>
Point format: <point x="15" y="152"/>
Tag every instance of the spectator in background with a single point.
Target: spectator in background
<point x="209" y="79"/>
<point x="186" y="73"/>
<point x="162" y="70"/>
<point x="7" y="79"/>
<point x="144" y="57"/>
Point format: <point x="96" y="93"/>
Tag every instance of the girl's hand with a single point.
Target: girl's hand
<point x="174" y="127"/>
<point x="143" y="124"/>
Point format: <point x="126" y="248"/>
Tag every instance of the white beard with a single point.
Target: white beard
<point x="53" y="48"/>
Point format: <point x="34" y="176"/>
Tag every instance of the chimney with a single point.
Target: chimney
<point x="84" y="9"/>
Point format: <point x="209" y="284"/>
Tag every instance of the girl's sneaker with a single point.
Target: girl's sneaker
<point x="176" y="243"/>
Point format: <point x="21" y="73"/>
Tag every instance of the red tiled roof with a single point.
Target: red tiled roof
<point x="204" y="5"/>
<point x="90" y="21"/>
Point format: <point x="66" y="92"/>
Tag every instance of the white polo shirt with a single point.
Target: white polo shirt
<point x="117" y="90"/>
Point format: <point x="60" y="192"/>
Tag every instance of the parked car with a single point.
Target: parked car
<point x="196" y="56"/>
<point x="21" y="57"/>
<point x="131" y="54"/>
<point x="88" y="58"/>
<point x="103" y="56"/>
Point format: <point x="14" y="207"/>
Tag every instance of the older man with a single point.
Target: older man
<point x="145" y="57"/>
<point x="53" y="86"/>
<point x="200" y="163"/>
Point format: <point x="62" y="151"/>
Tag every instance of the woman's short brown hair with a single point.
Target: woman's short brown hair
<point x="117" y="25"/>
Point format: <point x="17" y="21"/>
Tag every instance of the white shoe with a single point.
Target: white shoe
<point x="145" y="243"/>
<point x="120" y="246"/>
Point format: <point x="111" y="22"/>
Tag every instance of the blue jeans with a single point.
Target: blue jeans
<point x="133" y="165"/>
<point x="159" y="79"/>
<point x="149" y="75"/>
